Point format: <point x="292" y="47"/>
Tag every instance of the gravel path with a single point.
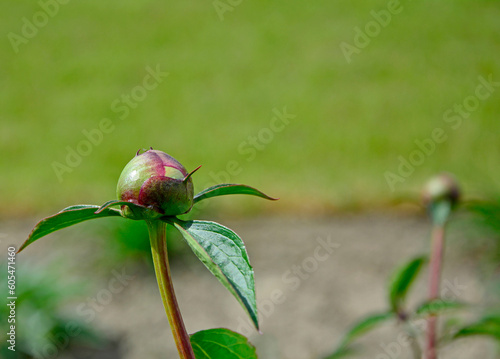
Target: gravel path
<point x="314" y="279"/>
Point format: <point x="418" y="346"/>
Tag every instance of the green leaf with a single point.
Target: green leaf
<point x="224" y="254"/>
<point x="342" y="352"/>
<point x="487" y="213"/>
<point x="489" y="326"/>
<point x="67" y="217"/>
<point x="221" y="344"/>
<point x="402" y="280"/>
<point x="227" y="188"/>
<point x="365" y="325"/>
<point x="358" y="329"/>
<point x="437" y="306"/>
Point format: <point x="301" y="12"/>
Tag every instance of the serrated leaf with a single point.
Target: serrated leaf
<point x="65" y="218"/>
<point x="438" y="306"/>
<point x="489" y="326"/>
<point x="402" y="280"/>
<point x="229" y="188"/>
<point x="224" y="254"/>
<point x="365" y="325"/>
<point x="221" y="344"/>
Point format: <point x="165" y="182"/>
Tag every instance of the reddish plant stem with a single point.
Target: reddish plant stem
<point x="158" y="239"/>
<point x="434" y="280"/>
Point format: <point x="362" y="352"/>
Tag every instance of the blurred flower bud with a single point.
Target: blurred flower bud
<point x="157" y="181"/>
<point x="441" y="187"/>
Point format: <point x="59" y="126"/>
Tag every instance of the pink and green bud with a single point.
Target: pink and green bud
<point x="157" y="181"/>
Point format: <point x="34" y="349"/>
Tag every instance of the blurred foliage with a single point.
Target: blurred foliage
<point x="489" y="326"/>
<point x="353" y="120"/>
<point x="479" y="217"/>
<point x="42" y="328"/>
<point x="401" y="282"/>
<point x="487" y="216"/>
<point x="482" y="225"/>
<point x="128" y="241"/>
<point x="360" y="328"/>
<point x="438" y="306"/>
<point x="475" y="232"/>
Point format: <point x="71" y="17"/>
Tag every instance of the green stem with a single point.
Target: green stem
<point x="158" y="239"/>
<point x="412" y="333"/>
<point x="434" y="279"/>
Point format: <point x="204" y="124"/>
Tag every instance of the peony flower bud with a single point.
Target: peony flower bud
<point x="157" y="181"/>
<point x="441" y="187"/>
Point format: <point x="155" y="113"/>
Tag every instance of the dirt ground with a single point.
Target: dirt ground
<point x="314" y="278"/>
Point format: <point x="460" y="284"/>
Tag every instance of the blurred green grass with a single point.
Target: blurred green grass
<point x="226" y="77"/>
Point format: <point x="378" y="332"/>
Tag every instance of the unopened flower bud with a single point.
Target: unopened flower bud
<point x="441" y="187"/>
<point x="157" y="181"/>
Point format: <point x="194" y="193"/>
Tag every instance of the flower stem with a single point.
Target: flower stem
<point x="158" y="239"/>
<point x="434" y="279"/>
<point x="413" y="336"/>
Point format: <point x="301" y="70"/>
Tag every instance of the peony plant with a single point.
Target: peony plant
<point x="156" y="188"/>
<point x="421" y="332"/>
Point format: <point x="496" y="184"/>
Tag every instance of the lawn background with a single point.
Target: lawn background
<point x="353" y="120"/>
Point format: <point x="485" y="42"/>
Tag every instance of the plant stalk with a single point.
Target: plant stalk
<point x="415" y="345"/>
<point x="434" y="280"/>
<point x="158" y="239"/>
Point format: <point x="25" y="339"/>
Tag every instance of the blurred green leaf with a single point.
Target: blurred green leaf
<point x="485" y="220"/>
<point x="228" y="188"/>
<point x="224" y="254"/>
<point x="67" y="217"/>
<point x="38" y="308"/>
<point x="438" y="306"/>
<point x="358" y="329"/>
<point x="402" y="280"/>
<point x="489" y="326"/>
<point x="488" y="211"/>
<point x="365" y="325"/>
<point x="342" y="352"/>
<point x="221" y="344"/>
<point x="130" y="240"/>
